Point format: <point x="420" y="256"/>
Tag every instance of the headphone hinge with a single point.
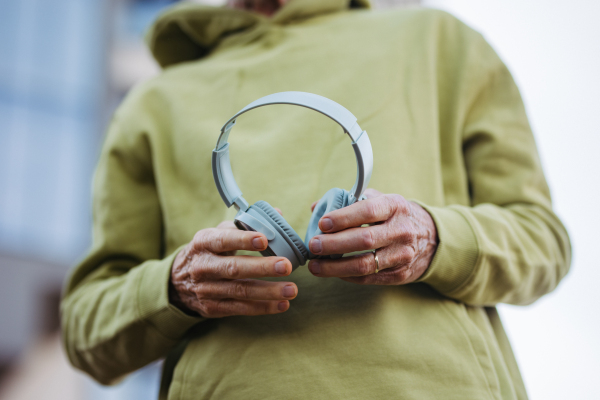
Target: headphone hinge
<point x="241" y="204"/>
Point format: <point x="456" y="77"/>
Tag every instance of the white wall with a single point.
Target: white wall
<point x="552" y="48"/>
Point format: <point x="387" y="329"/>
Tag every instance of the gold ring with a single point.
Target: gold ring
<point x="376" y="261"/>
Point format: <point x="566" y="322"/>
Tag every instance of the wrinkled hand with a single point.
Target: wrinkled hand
<point x="209" y="279"/>
<point x="403" y="233"/>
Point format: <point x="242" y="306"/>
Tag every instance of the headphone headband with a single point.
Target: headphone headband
<point x="221" y="165"/>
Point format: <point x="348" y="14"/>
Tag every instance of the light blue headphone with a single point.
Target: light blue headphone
<point x="261" y="217"/>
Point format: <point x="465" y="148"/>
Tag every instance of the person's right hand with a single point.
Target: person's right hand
<point x="209" y="279"/>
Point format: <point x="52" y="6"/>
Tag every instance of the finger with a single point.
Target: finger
<point x="279" y="211"/>
<point x="370" y="193"/>
<point x="363" y="264"/>
<point x="227" y="225"/>
<point x="359" y="265"/>
<point x="219" y="240"/>
<point x="246" y="289"/>
<point x="369" y="211"/>
<point x="388" y="277"/>
<point x="313" y="205"/>
<point x="396" y="275"/>
<point x="350" y="240"/>
<point x="238" y="267"/>
<point x="228" y="307"/>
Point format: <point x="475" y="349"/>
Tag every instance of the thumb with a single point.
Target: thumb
<point x="371" y="193"/>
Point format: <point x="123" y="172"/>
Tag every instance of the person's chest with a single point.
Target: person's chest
<point x="290" y="156"/>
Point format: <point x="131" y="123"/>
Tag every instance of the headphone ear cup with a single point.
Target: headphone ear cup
<point x="334" y="199"/>
<point x="284" y="229"/>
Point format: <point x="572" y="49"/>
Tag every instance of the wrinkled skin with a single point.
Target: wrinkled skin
<point x="403" y="233"/>
<point x="265" y="7"/>
<point x="207" y="277"/>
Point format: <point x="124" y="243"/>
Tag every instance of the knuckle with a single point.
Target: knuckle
<point x="199" y="273"/>
<point x="388" y="205"/>
<point x="363" y="270"/>
<point x="200" y="269"/>
<point x="207" y="309"/>
<point x="240" y="290"/>
<point x="403" y="257"/>
<point x="363" y="267"/>
<point x="202" y="291"/>
<point x="198" y="241"/>
<point x="221" y="307"/>
<point x="399" y="203"/>
<point x="209" y="234"/>
<point x="371" y="210"/>
<point x="367" y="238"/>
<point x="396" y="198"/>
<point x="401" y="275"/>
<point x="409" y="255"/>
<point x="232" y="270"/>
<point x="204" y="237"/>
<point x="218" y="239"/>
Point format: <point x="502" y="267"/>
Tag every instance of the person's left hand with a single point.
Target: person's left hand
<point x="403" y="233"/>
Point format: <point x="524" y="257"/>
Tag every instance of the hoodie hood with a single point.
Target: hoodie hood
<point x="189" y="32"/>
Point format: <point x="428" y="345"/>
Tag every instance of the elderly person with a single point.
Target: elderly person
<point x="449" y="132"/>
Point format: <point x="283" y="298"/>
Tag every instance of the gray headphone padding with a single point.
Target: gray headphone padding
<point x="282" y="223"/>
<point x="334" y="199"/>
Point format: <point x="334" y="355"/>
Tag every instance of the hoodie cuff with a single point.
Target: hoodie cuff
<point x="457" y="252"/>
<point x="153" y="300"/>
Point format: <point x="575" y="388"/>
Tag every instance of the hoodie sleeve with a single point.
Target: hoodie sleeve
<point x="507" y="246"/>
<point x="116" y="316"/>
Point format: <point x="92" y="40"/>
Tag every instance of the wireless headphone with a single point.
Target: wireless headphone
<point x="283" y="241"/>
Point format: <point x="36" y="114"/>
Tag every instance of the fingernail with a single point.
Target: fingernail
<point x="281" y="268"/>
<point x="326" y="224"/>
<point x="315" y="246"/>
<point x="282" y="305"/>
<point x="314" y="267"/>
<point x="258" y="243"/>
<point x="289" y="291"/>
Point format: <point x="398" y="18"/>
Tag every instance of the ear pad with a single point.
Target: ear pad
<point x="334" y="199"/>
<point x="289" y="234"/>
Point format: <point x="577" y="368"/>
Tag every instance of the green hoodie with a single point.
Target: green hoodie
<point x="448" y="129"/>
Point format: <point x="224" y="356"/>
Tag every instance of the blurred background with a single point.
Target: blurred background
<point x="66" y="64"/>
